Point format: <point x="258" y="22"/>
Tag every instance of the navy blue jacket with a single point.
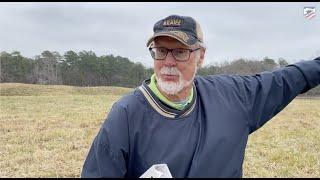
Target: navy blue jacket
<point x="208" y="138"/>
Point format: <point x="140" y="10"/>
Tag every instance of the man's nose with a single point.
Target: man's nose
<point x="169" y="60"/>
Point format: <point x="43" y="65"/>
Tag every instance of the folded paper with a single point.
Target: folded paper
<point x="157" y="171"/>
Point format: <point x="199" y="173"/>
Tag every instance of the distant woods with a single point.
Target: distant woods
<point x="77" y="69"/>
<point x="85" y="68"/>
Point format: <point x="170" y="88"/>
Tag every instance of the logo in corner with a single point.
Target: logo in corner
<point x="309" y="12"/>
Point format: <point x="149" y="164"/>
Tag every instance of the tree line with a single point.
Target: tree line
<point x="85" y="68"/>
<point x="77" y="69"/>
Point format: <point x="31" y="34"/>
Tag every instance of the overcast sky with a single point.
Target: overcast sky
<point x="231" y="30"/>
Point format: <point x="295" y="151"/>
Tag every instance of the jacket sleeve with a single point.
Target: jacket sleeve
<point x="268" y="93"/>
<point x="108" y="154"/>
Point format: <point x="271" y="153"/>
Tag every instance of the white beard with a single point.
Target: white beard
<point x="173" y="87"/>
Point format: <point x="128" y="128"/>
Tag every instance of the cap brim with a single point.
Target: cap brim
<point x="191" y="40"/>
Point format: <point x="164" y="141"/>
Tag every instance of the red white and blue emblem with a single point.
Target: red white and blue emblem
<point x="309" y="12"/>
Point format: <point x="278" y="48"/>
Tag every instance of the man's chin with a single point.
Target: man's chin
<point x="170" y="81"/>
<point x="169" y="87"/>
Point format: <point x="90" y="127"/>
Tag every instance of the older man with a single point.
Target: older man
<point x="198" y="126"/>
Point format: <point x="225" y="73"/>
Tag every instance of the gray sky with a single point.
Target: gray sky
<point x="231" y="30"/>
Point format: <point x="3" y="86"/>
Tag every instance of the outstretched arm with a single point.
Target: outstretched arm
<point x="268" y="93"/>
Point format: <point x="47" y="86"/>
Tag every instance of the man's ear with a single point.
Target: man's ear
<point x="201" y="59"/>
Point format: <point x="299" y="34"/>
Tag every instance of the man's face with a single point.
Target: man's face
<point x="173" y="76"/>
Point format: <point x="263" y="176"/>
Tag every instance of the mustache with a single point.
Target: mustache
<point x="170" y="71"/>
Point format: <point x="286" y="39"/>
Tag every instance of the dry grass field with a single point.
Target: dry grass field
<point x="46" y="131"/>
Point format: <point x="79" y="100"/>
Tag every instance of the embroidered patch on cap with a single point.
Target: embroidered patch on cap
<point x="172" y="22"/>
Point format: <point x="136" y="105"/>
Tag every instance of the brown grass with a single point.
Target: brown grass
<point x="46" y="131"/>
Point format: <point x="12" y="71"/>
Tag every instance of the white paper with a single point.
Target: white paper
<point x="157" y="171"/>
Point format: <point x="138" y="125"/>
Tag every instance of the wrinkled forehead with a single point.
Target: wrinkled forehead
<point x="166" y="41"/>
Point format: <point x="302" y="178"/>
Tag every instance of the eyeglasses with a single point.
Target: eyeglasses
<point x="179" y="54"/>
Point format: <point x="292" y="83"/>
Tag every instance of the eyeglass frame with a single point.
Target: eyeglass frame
<point x="170" y="50"/>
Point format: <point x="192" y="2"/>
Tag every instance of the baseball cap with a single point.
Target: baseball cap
<point x="183" y="28"/>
